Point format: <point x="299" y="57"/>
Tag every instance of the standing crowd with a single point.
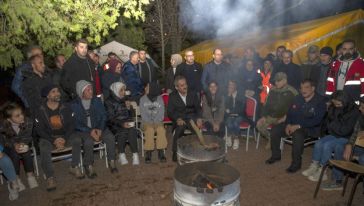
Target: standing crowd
<point x="81" y="103"/>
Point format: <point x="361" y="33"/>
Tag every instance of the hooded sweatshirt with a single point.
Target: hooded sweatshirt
<point x="80" y="88"/>
<point x="152" y="105"/>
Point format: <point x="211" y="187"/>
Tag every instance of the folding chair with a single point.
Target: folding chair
<point x="288" y="140"/>
<point x="101" y="147"/>
<point x="349" y="166"/>
<point x="250" y="110"/>
<point x="165" y="97"/>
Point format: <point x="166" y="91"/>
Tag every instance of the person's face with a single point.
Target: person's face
<point x="231" y="87"/>
<point x="361" y="108"/>
<point x="54" y="95"/>
<point x="339" y="52"/>
<point x="122" y="91"/>
<point x="325" y="59"/>
<point x="286" y="57"/>
<point x="118" y="68"/>
<point x="134" y="59"/>
<point x="348" y="50"/>
<point x="213" y="88"/>
<point x="88" y="92"/>
<point x="95" y="58"/>
<point x="307" y="90"/>
<point x="182" y="86"/>
<point x="38" y="65"/>
<point x="267" y="65"/>
<point x="249" y="54"/>
<point x="280" y="84"/>
<point x="313" y="56"/>
<point x="189" y="57"/>
<point x="142" y="55"/>
<point x="279" y="52"/>
<point x="60" y="61"/>
<point x="249" y="66"/>
<point x="81" y="49"/>
<point x="337" y="103"/>
<point x="173" y="62"/>
<point x="218" y="56"/>
<point x="17" y="117"/>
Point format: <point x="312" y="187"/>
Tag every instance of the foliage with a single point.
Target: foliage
<point x="55" y="24"/>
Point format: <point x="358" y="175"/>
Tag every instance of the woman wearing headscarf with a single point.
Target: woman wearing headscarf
<point x="176" y="59"/>
<point x="113" y="74"/>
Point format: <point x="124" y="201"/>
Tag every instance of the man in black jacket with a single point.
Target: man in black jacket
<point x="147" y="70"/>
<point x="319" y="76"/>
<point x="183" y="106"/>
<point x="34" y="82"/>
<point x="192" y="71"/>
<point x="78" y="67"/>
<point x="54" y="123"/>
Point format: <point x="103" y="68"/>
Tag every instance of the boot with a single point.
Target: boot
<point x="51" y="184"/>
<point x="148" y="157"/>
<point x="161" y="156"/>
<point x="112" y="166"/>
<point x="76" y="171"/>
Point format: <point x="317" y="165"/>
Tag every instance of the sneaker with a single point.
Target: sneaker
<point x="331" y="186"/>
<point x="90" y="172"/>
<point x="51" y="184"/>
<point x="311" y="169"/>
<point x="20" y="184"/>
<point x="122" y="159"/>
<point x="135" y="159"/>
<point x="316" y="176"/>
<point x="13" y="192"/>
<point x="236" y="144"/>
<point x="112" y="166"/>
<point x="32" y="182"/>
<point x="76" y="171"/>
<point x="228" y="141"/>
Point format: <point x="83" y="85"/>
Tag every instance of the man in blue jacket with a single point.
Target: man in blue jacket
<point x="303" y="121"/>
<point x="90" y="117"/>
<point x="131" y="76"/>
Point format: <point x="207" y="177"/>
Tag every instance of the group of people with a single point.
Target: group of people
<point x="82" y="102"/>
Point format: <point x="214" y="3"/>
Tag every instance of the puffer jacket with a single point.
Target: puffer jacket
<point x="24" y="136"/>
<point x="132" y="79"/>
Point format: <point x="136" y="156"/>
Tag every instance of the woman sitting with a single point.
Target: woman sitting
<point x="120" y="121"/>
<point x="17" y="134"/>
<point x="152" y="112"/>
<point x="213" y="109"/>
<point x="339" y="125"/>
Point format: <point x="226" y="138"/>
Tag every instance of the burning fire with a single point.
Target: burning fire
<point x="210" y="186"/>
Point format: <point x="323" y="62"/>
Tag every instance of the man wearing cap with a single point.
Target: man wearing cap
<point x="347" y="72"/>
<point x="313" y="61"/>
<point x="90" y="117"/>
<point x="54" y="123"/>
<point x="319" y="75"/>
<point x="278" y="101"/>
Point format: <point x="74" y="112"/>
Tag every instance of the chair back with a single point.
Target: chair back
<point x="251" y="107"/>
<point x="165" y="97"/>
<point x="359" y="141"/>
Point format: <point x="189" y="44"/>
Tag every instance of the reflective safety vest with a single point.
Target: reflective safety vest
<point x="266" y="85"/>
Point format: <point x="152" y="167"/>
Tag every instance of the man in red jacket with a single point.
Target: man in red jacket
<point x="347" y="72"/>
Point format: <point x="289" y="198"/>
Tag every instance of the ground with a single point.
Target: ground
<point x="152" y="184"/>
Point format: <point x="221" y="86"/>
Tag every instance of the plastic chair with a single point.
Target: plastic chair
<point x="350" y="167"/>
<point x="250" y="110"/>
<point x="165" y="97"/>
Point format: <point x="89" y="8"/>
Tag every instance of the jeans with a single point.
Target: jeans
<point x="325" y="146"/>
<point x="127" y="135"/>
<point x="338" y="174"/>
<point x="16" y="157"/>
<point x="7" y="167"/>
<point x="233" y="125"/>
<point x="210" y="129"/>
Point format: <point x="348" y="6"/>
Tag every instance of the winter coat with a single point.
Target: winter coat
<point x="193" y="74"/>
<point x="359" y="126"/>
<point x="319" y="77"/>
<point x="213" y="110"/>
<point x="108" y="78"/>
<point x="16" y="84"/>
<point x="74" y="70"/>
<point x="10" y="137"/>
<point x="279" y="101"/>
<point x="147" y="71"/>
<point x="32" y="87"/>
<point x="238" y="108"/>
<point x="97" y="115"/>
<point x="221" y="73"/>
<point x="169" y="80"/>
<point x="151" y="112"/>
<point x="178" y="109"/>
<point x="249" y="80"/>
<point x="132" y="79"/>
<point x="43" y="126"/>
<point x="293" y="72"/>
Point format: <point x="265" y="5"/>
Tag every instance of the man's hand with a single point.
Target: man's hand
<point x="94" y="135"/>
<point x="261" y="121"/>
<point x="1" y="155"/>
<point x="216" y="127"/>
<point x="294" y="128"/>
<point x="128" y="104"/>
<point x="288" y="129"/>
<point x="249" y="93"/>
<point x="99" y="132"/>
<point x="17" y="147"/>
<point x="180" y="122"/>
<point x="347" y="152"/>
<point x="281" y="120"/>
<point x="199" y="123"/>
<point x="59" y="143"/>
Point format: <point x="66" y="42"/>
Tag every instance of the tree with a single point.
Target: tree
<point x="54" y="24"/>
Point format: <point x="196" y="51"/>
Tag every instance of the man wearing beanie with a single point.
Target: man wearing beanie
<point x="312" y="63"/>
<point x="176" y="59"/>
<point x="54" y="123"/>
<point x="319" y="75"/>
<point x="90" y="117"/>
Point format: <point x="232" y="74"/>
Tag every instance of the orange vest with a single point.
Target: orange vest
<point x="266" y="86"/>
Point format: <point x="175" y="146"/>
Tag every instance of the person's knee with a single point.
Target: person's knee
<point x="108" y="137"/>
<point x="45" y="146"/>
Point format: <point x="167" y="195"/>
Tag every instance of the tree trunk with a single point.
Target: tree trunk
<point x="161" y="22"/>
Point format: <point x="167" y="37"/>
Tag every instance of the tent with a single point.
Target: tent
<point x="328" y="31"/>
<point x="121" y="50"/>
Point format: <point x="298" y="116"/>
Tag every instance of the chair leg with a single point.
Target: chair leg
<point x="226" y="134"/>
<point x="106" y="159"/>
<point x="353" y="189"/>
<point x="320" y="180"/>
<point x="258" y="139"/>
<point x="281" y="146"/>
<point x="247" y="139"/>
<point x="345" y="184"/>
<point x="35" y="160"/>
<point x="81" y="163"/>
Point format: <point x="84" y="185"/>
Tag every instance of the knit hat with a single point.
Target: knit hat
<point x="45" y="90"/>
<point x="313" y="49"/>
<point x="115" y="88"/>
<point x="113" y="63"/>
<point x="280" y="76"/>
<point x="81" y="86"/>
<point x="326" y="50"/>
<point x="177" y="58"/>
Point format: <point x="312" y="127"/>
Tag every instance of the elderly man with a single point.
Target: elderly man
<point x="183" y="106"/>
<point x="192" y="71"/>
<point x="131" y="76"/>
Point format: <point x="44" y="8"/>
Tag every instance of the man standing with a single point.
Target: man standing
<point x="319" y="75"/>
<point x="278" y="57"/>
<point x="192" y="71"/>
<point x="183" y="106"/>
<point x="90" y="116"/>
<point x="54" y="123"/>
<point x="131" y="76"/>
<point x="313" y="62"/>
<point x="292" y="70"/>
<point x="34" y="81"/>
<point x="347" y="72"/>
<point x="78" y="67"/>
<point x="216" y="70"/>
<point x="146" y="68"/>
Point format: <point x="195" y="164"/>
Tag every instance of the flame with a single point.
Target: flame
<point x="210" y="186"/>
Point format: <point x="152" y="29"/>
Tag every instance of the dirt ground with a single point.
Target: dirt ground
<point x="152" y="184"/>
